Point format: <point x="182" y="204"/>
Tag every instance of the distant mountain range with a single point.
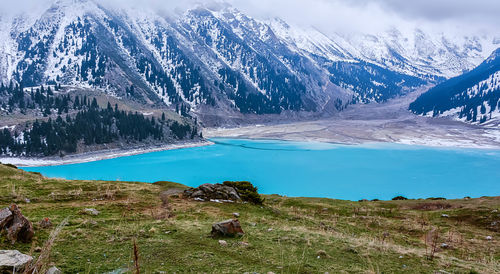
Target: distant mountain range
<point x="217" y="62"/>
<point x="471" y="97"/>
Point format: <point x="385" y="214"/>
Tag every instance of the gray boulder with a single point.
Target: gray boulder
<point x="13" y="261"/>
<point x="91" y="211"/>
<point x="209" y="192"/>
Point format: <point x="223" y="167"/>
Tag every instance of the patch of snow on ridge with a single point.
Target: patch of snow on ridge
<point x="486" y="86"/>
<point x="309" y="40"/>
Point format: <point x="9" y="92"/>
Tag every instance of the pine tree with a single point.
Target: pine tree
<point x="94" y="104"/>
<point x="76" y="103"/>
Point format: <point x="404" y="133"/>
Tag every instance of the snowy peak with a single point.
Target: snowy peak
<point x="422" y="54"/>
<point x="310" y="41"/>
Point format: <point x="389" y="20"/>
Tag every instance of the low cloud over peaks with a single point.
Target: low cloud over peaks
<point x="367" y="16"/>
<point x="375" y="15"/>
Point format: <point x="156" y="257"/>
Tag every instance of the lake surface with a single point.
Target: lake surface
<point x="309" y="169"/>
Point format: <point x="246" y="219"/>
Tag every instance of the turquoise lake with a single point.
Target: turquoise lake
<point x="308" y="169"/>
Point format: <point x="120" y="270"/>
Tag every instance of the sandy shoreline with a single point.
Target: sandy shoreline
<point x="488" y="139"/>
<point x="96" y="155"/>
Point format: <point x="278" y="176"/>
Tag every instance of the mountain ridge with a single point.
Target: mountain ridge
<point x="471" y="97"/>
<point x="208" y="61"/>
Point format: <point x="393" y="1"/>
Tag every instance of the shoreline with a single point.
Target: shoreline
<point x="316" y="132"/>
<point x="226" y="134"/>
<point x="435" y="144"/>
<point x="97" y="155"/>
<point x="389" y="122"/>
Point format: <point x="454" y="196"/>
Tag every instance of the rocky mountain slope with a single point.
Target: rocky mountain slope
<point x="220" y="62"/>
<point x="472" y="97"/>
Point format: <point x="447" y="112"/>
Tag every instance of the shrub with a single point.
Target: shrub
<point x="246" y="190"/>
<point x="399" y="198"/>
<point x="436" y="198"/>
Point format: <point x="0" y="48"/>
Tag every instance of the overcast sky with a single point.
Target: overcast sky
<point x="461" y="16"/>
<point x="373" y="15"/>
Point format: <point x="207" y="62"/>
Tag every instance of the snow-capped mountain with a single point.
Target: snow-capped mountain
<point x="422" y="54"/>
<point x="413" y="53"/>
<point x="221" y="59"/>
<point x="472" y="97"/>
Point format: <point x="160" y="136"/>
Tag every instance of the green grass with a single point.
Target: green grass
<point x="285" y="235"/>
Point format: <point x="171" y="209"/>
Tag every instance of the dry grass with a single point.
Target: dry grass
<point x="42" y="264"/>
<point x="431" y="206"/>
<point x="286" y="235"/>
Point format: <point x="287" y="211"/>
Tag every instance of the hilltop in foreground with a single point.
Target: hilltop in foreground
<point x="284" y="235"/>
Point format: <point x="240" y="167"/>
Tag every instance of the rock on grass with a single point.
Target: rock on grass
<point x="228" y="228"/>
<point x="13" y="261"/>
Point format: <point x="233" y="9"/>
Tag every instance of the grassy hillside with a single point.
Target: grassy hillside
<point x="286" y="235"/>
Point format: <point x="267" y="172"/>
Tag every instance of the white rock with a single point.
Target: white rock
<point x="445" y="215"/>
<point x="53" y="270"/>
<point x="236" y="214"/>
<point x="489" y="238"/>
<point x="13" y="260"/>
<point x="222" y="243"/>
<point x="92" y="211"/>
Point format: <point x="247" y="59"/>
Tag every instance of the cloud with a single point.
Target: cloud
<point x="161" y="6"/>
<point x="438" y="10"/>
<point x="333" y="16"/>
<point x="375" y="15"/>
<point x="14" y="7"/>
